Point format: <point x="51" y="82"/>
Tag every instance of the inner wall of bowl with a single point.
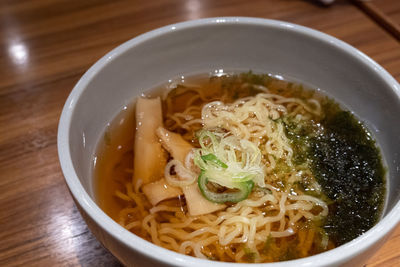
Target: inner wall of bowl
<point x="153" y="59"/>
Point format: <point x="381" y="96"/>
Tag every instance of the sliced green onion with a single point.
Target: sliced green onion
<point x="243" y="187"/>
<point x="212" y="158"/>
<point x="230" y="162"/>
<point x="203" y="135"/>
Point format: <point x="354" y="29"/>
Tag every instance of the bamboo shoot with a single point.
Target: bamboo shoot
<point x="150" y="158"/>
<point x="159" y="191"/>
<point x="174" y="144"/>
<point x="196" y="203"/>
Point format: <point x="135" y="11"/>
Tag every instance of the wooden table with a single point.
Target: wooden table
<point x="46" y="45"/>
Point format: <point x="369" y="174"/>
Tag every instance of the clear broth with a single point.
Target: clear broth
<point x="115" y="164"/>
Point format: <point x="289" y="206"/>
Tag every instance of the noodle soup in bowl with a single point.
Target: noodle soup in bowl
<point x="221" y="197"/>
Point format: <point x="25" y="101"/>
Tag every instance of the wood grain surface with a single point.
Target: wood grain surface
<point x="385" y="13"/>
<point x="390" y="8"/>
<point x="46" y="45"/>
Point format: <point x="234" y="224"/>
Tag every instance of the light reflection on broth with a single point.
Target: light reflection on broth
<point x="292" y="211"/>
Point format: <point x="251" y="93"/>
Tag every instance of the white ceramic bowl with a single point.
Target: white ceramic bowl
<point x="233" y="43"/>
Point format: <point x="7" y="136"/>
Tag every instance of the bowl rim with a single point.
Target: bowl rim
<point x="331" y="257"/>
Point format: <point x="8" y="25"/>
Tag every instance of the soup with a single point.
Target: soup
<point x="240" y="168"/>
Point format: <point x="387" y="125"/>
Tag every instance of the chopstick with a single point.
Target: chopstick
<point x="379" y="17"/>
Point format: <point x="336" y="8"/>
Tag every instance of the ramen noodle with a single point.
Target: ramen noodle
<point x="240" y="168"/>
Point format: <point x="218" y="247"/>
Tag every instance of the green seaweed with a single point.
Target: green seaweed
<point x="249" y="255"/>
<point x="346" y="163"/>
<point x="348" y="166"/>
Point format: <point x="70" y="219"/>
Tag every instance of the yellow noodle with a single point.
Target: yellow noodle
<point x="247" y="225"/>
